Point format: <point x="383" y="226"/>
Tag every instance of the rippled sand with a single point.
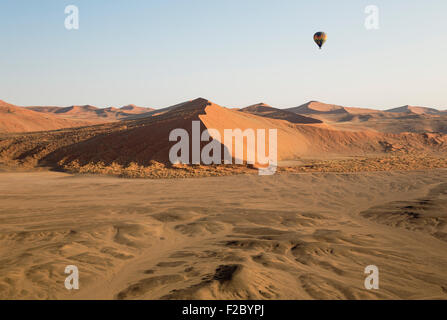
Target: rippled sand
<point x="288" y="236"/>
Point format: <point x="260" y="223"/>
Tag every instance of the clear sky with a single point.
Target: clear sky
<point x="235" y="52"/>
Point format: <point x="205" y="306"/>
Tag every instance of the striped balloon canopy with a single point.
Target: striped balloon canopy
<point x="320" y="38"/>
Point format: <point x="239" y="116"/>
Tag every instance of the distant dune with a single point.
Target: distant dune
<point x="92" y="113"/>
<point x="396" y="120"/>
<point x="133" y="109"/>
<point x="18" y="119"/>
<point x="264" y="110"/>
<point x="315" y="107"/>
<point x="415" y="110"/>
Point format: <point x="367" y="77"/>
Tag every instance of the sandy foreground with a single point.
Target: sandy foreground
<point x="287" y="236"/>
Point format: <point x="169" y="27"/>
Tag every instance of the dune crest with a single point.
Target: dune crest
<point x="94" y="114"/>
<point x="415" y="110"/>
<point x="264" y="110"/>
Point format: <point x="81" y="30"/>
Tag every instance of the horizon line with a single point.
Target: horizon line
<point x="230" y="107"/>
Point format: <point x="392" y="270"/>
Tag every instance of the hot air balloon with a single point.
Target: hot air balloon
<point x="320" y="38"/>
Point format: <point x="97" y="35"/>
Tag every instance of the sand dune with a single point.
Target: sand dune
<point x="396" y="120"/>
<point x="143" y="141"/>
<point x="347" y="118"/>
<point x="315" y="107"/>
<point x="264" y="110"/>
<point x="17" y="119"/>
<point x="92" y="113"/>
<point x="289" y="236"/>
<point x="133" y="109"/>
<point x="415" y="110"/>
<point x="29" y="119"/>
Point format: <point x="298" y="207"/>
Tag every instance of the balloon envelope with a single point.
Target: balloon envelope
<point x="320" y="38"/>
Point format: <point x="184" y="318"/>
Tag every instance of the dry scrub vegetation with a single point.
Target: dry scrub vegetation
<point x="157" y="170"/>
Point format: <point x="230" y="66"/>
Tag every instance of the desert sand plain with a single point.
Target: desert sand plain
<point x="355" y="187"/>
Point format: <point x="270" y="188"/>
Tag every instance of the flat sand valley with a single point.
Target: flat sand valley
<point x="287" y="236"/>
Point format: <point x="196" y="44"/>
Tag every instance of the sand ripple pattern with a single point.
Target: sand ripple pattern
<point x="289" y="236"/>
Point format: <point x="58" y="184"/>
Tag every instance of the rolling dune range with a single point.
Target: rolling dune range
<point x="140" y="147"/>
<point x="31" y="119"/>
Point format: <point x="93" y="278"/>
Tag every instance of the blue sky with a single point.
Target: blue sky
<point x="234" y="52"/>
